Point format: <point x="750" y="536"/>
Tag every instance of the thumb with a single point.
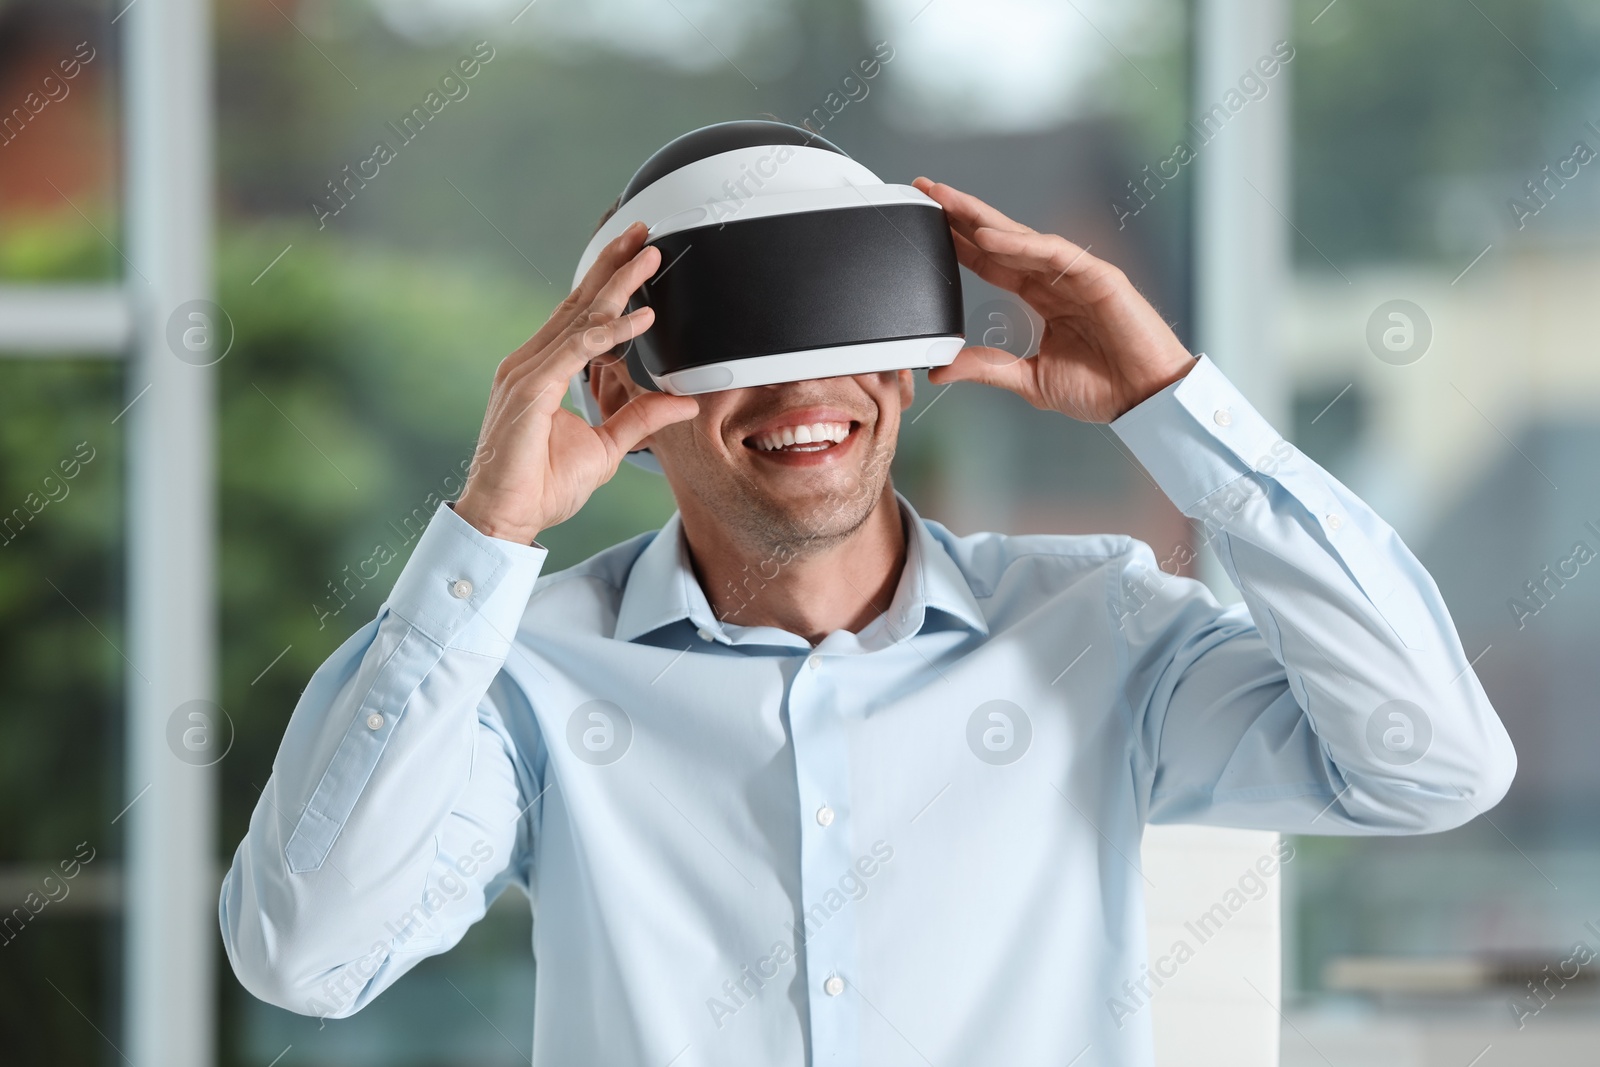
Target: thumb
<point x="641" y="417"/>
<point x="987" y="366"/>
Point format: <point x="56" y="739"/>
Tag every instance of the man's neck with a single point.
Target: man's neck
<point x="842" y="586"/>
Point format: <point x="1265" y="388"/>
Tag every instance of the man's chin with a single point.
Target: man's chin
<point x="812" y="505"/>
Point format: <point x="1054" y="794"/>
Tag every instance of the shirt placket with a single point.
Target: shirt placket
<point x="827" y="923"/>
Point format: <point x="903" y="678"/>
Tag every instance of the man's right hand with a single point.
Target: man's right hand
<point x="542" y="461"/>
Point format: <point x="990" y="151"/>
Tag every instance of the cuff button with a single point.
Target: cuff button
<point x="461" y="589"/>
<point x="1222" y="417"/>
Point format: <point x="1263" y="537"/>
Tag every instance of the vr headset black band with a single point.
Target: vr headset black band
<point x="797" y="282"/>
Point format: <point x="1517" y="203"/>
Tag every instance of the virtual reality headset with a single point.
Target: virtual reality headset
<point x="782" y="259"/>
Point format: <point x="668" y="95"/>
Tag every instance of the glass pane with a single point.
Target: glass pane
<point x="1443" y="371"/>
<point x="60" y="186"/>
<point x="61" y="655"/>
<point x="60" y="988"/>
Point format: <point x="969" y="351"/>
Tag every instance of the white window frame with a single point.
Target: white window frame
<point x="170" y="873"/>
<point x="1226" y="1007"/>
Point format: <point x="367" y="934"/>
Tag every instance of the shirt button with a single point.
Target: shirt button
<point x="813" y="661"/>
<point x="833" y="986"/>
<point x="1223" y="417"/>
<point x="705" y="634"/>
<point x="1334" y="522"/>
<point x="375" y="720"/>
<point x="461" y="589"/>
<point x="825" y="815"/>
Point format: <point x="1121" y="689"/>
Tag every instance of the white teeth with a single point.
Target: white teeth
<point x="814" y="437"/>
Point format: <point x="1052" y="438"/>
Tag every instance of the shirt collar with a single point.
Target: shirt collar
<point x="662" y="589"/>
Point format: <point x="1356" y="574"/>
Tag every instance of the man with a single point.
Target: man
<point x="803" y="777"/>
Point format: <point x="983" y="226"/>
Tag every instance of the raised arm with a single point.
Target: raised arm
<point x="397" y="807"/>
<point x="1337" y="698"/>
<point x="398" y="804"/>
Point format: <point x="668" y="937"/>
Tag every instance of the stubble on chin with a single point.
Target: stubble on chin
<point x="795" y="529"/>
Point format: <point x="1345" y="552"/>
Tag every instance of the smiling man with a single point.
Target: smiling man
<point x="803" y="777"/>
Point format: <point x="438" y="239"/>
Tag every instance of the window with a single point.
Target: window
<point x="1438" y="340"/>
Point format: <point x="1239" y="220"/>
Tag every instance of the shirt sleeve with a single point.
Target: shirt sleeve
<point x="1337" y="697"/>
<point x="397" y="807"/>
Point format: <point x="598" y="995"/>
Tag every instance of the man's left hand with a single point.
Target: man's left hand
<point x="1104" y="348"/>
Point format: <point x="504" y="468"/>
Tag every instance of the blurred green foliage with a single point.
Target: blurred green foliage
<point x="1415" y="122"/>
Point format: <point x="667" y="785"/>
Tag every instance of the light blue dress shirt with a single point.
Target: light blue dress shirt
<point x="913" y="844"/>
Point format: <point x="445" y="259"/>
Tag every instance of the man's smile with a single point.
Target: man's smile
<point x="805" y="437"/>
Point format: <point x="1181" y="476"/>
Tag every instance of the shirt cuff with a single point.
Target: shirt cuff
<point x="462" y="588"/>
<point x="1197" y="435"/>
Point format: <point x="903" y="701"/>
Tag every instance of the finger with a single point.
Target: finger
<point x="540" y="381"/>
<point x="986" y="266"/>
<point x="612" y="299"/>
<point x="551" y="373"/>
<point x="968" y="254"/>
<point x="606" y="307"/>
<point x="1042" y="253"/>
<point x="1035" y="289"/>
<point x="1021" y="260"/>
<point x="616" y="252"/>
<point x="967" y="212"/>
<point x="990" y="366"/>
<point x="640" y="417"/>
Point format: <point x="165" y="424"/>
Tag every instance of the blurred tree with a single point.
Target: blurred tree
<point x="1393" y="104"/>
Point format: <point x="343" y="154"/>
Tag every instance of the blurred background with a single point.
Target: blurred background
<point x="1392" y="243"/>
